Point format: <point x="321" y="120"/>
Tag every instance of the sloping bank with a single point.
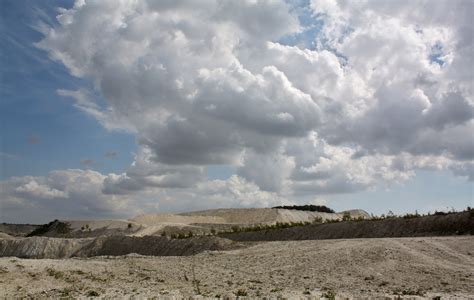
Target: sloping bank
<point x="435" y="225"/>
<point x="45" y="247"/>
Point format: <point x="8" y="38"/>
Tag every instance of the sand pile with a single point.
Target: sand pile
<point x="271" y="215"/>
<point x="17" y="229"/>
<point x="288" y="216"/>
<point x="153" y="219"/>
<point x="224" y="219"/>
<point x="239" y="215"/>
<point x="102" y="224"/>
<point x="5" y="236"/>
<point x="198" y="222"/>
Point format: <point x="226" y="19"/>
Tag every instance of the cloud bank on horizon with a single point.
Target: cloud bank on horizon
<point x="381" y="90"/>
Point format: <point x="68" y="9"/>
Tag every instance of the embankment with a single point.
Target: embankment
<point x="461" y="223"/>
<point x="45" y="247"/>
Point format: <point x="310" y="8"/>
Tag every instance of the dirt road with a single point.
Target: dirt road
<point x="429" y="267"/>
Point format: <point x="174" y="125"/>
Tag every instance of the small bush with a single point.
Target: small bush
<point x="92" y="294"/>
<point x="317" y="220"/>
<point x="408" y="292"/>
<point x="329" y="294"/>
<point x="66" y="293"/>
<point x="331" y="221"/>
<point x="241" y="293"/>
<point x="411" y="216"/>
<point x="54" y="273"/>
<point x="346" y="216"/>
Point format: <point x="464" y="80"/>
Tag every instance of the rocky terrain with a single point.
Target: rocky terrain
<point x="122" y="240"/>
<point x="238" y="252"/>
<point x="397" y="267"/>
<point x="199" y="222"/>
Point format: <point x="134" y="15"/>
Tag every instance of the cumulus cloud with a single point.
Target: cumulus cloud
<point x="75" y="194"/>
<point x="385" y="91"/>
<point x="62" y="193"/>
<point x="146" y="172"/>
<point x="33" y="189"/>
<point x="406" y="58"/>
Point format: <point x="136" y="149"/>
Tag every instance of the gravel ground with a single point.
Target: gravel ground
<point x="355" y="268"/>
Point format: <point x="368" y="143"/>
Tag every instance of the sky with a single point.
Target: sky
<point x="111" y="109"/>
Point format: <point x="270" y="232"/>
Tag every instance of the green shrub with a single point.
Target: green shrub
<point x="346" y="216"/>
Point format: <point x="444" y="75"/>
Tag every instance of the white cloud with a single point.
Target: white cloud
<point x="34" y="190"/>
<point x="386" y="91"/>
<point x="270" y="171"/>
<point x="145" y="172"/>
<point x="61" y="194"/>
<point x="76" y="194"/>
